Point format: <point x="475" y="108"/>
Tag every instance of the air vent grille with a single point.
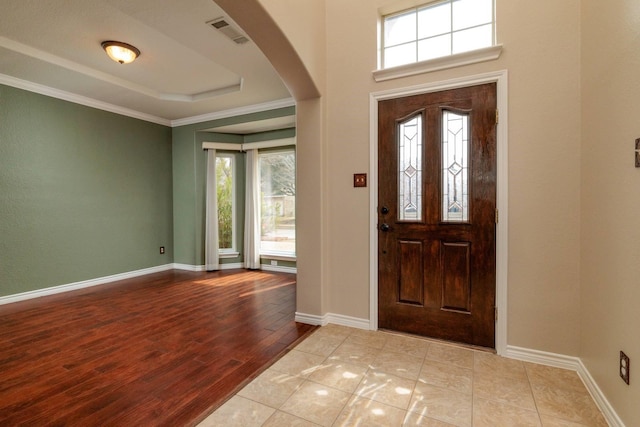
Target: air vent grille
<point x="228" y="30"/>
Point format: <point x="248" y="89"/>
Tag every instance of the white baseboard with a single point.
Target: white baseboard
<point x="83" y="284"/>
<point x="352" y="322"/>
<point x="336" y="319"/>
<point x="279" y="268"/>
<point x="311" y="319"/>
<point x="607" y="410"/>
<point x="198" y="268"/>
<point x="232" y="266"/>
<point x="188" y="267"/>
<point x="574" y="364"/>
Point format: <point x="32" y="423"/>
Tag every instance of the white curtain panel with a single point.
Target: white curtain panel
<point x="211" y="216"/>
<point x="252" y="213"/>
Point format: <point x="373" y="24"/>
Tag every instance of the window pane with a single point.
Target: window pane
<point x="437" y="29"/>
<point x="434" y="20"/>
<point x="399" y="55"/>
<point x="224" y="182"/>
<point x="410" y="169"/>
<point x="455" y="167"/>
<point x="435" y="47"/>
<point x="474" y="38"/>
<point x="470" y="13"/>
<point x="277" y="202"/>
<point x="400" y="29"/>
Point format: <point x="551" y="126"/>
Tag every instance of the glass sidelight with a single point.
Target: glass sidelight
<point x="410" y="147"/>
<point x="455" y="167"/>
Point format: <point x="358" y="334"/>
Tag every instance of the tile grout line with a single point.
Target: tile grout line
<point x="533" y="396"/>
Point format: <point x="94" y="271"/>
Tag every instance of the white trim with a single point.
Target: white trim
<point x="278" y="268"/>
<point x="311" y="319"/>
<point x="189" y="267"/>
<point x="571" y="363"/>
<point x="352" y="322"/>
<point x="83" y="284"/>
<point x="490" y="53"/>
<point x="256" y="108"/>
<point x="502" y="253"/>
<point x="228" y="146"/>
<point x="79" y="99"/>
<point x="336" y="319"/>
<point x="609" y="413"/>
<point x="110" y="78"/>
<point x="201" y="268"/>
<point x="277" y="257"/>
<point x="282" y="142"/>
<point x="225" y="255"/>
<point x="272" y="143"/>
<point x="105" y="106"/>
<point x="232" y="266"/>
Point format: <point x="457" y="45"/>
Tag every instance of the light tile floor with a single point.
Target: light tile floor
<point x="341" y="376"/>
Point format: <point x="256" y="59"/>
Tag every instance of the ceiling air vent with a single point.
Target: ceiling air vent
<point x="228" y="30"/>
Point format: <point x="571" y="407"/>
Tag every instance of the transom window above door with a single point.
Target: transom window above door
<point x="435" y="30"/>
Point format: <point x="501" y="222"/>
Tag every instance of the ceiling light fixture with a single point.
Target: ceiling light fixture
<point x="120" y="52"/>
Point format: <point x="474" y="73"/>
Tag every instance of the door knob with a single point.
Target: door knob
<point x="384" y="210"/>
<point x="384" y="227"/>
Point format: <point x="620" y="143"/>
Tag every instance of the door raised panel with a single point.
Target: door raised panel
<point x="410" y="288"/>
<point x="456" y="280"/>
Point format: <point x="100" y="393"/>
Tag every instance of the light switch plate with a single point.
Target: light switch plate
<point x="359" y="179"/>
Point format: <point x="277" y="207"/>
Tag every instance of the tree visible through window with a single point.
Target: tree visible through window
<point x="224" y="186"/>
<point x="277" y="202"/>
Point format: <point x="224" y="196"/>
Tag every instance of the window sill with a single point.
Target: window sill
<point x="466" y="58"/>
<point x="278" y="257"/>
<point x="223" y="255"/>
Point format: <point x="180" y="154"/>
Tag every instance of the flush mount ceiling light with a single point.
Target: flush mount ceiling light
<point x="120" y="52"/>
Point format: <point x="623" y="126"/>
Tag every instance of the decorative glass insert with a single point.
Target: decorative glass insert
<point x="410" y="169"/>
<point x="437" y="29"/>
<point x="455" y="167"/>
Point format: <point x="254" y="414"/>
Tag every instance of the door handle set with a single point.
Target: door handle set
<point x="384" y="227"/>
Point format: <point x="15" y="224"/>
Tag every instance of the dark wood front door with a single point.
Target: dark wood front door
<point x="437" y="214"/>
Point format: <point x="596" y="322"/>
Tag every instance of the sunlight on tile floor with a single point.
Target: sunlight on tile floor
<point x="342" y="376"/>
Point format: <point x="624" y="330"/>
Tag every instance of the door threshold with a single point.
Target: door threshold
<point x="441" y="341"/>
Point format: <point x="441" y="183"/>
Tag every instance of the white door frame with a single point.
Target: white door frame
<point x="500" y="78"/>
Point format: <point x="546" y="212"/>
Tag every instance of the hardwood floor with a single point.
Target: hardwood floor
<point x="163" y="349"/>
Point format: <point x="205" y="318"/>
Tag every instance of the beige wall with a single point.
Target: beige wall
<point x="542" y="54"/>
<point x="611" y="198"/>
<point x="573" y="116"/>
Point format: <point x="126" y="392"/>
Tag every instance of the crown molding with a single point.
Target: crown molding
<point x="32" y="52"/>
<point x="255" y="108"/>
<point x="79" y="99"/>
<point x="105" y="106"/>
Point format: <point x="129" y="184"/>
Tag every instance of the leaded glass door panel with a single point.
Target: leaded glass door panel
<point x="436" y="214"/>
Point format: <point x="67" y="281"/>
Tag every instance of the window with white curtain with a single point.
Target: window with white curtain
<point x="277" y="171"/>
<point x="225" y="188"/>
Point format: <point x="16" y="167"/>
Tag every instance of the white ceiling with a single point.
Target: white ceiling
<point x="187" y="69"/>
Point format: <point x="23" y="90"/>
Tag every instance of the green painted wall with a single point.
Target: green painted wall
<point x="189" y="173"/>
<point x="83" y="193"/>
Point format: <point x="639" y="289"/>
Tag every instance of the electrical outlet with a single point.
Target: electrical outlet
<point x="624" y="367"/>
<point x="161" y="250"/>
<point x="274" y="262"/>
